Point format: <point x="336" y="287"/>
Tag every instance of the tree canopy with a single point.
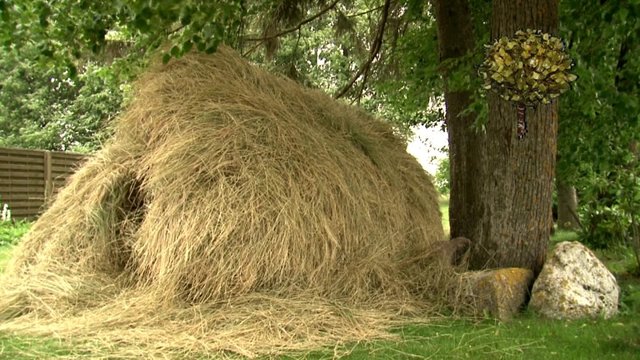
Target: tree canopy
<point x="600" y="118"/>
<point x="66" y="66"/>
<point x="381" y="54"/>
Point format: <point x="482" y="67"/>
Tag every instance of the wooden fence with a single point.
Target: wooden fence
<point x="29" y="178"/>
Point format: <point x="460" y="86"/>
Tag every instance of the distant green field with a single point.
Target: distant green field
<point x="444" y="210"/>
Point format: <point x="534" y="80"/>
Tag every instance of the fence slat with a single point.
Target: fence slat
<point x="24" y="174"/>
<point x="65" y="162"/>
<point x="6" y="158"/>
<point x="19" y="181"/>
<point x="19" y="188"/>
<point x="29" y="178"/>
<point x="21" y="152"/>
<point x="14" y="197"/>
<point x="34" y="202"/>
<point x="64" y="168"/>
<point x="6" y="166"/>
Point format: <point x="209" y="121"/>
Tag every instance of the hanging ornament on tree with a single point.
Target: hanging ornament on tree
<point x="530" y="68"/>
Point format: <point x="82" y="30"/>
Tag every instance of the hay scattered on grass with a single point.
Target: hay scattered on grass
<point x="233" y="213"/>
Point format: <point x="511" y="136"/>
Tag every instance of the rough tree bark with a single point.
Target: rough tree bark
<point x="519" y="178"/>
<point x="466" y="148"/>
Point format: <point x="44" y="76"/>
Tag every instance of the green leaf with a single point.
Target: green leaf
<point x="47" y="52"/>
<point x="72" y="70"/>
<point x="212" y="45"/>
<point x="187" y="46"/>
<point x="141" y="23"/>
<point x="185" y="20"/>
<point x="44" y="16"/>
<point x="175" y="51"/>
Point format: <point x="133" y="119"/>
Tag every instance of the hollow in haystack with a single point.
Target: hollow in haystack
<point x="233" y="211"/>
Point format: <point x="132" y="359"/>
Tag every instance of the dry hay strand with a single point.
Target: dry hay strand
<point x="233" y="212"/>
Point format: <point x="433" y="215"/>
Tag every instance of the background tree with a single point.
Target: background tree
<point x="600" y="121"/>
<point x="402" y="59"/>
<point x="45" y="107"/>
<point x="370" y="37"/>
<point x="442" y="177"/>
<point x="567" y="205"/>
<point x="457" y="41"/>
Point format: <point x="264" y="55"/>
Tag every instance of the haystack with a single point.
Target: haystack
<point x="232" y="212"/>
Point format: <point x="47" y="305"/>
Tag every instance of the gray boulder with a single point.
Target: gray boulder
<point x="574" y="284"/>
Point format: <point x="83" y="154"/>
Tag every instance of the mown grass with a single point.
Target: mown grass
<point x="23" y="348"/>
<point x="525" y="337"/>
<point x="563" y="235"/>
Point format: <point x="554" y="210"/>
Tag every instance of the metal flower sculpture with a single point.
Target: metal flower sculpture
<point x="530" y="68"/>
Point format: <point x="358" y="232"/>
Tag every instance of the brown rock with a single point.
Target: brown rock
<point x="500" y="292"/>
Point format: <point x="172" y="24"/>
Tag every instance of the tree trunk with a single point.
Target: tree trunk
<point x="466" y="148"/>
<point x="518" y="182"/>
<point x="567" y="206"/>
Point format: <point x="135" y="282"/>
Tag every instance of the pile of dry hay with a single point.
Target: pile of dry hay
<point x="233" y="212"/>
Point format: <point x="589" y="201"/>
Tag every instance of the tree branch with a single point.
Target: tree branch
<point x="363" y="85"/>
<point x="366" y="12"/>
<point x="375" y="49"/>
<point x="173" y="31"/>
<point x="296" y="27"/>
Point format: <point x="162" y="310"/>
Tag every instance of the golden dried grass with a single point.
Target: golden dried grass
<point x="234" y="212"/>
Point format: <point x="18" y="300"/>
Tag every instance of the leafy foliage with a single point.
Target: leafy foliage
<point x="47" y="108"/>
<point x="403" y="83"/>
<point x="600" y="119"/>
<point x="67" y="29"/>
<point x="10" y="233"/>
<point x="321" y="44"/>
<point x="442" y="178"/>
<point x="30" y="97"/>
<point x="62" y="79"/>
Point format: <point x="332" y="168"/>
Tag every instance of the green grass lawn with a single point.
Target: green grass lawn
<point x="525" y="337"/>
